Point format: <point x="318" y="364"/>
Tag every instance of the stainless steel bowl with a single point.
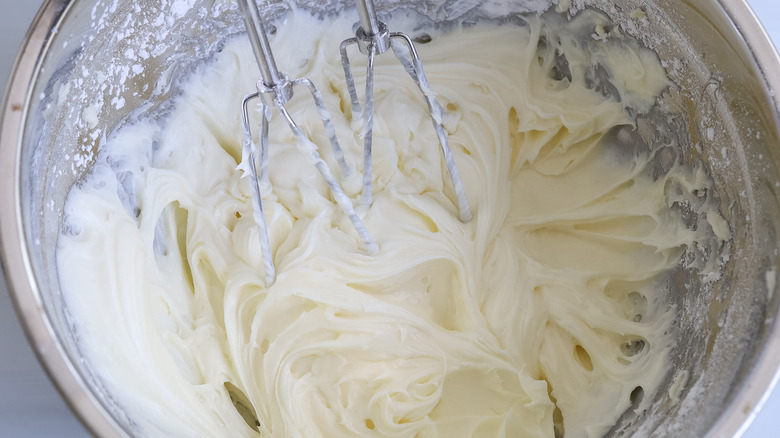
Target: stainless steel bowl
<point x="724" y="114"/>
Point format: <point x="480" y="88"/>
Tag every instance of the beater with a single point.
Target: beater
<point x="276" y="89"/>
<point x="373" y="38"/>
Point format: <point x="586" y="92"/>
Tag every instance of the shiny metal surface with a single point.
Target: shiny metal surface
<point x="34" y="297"/>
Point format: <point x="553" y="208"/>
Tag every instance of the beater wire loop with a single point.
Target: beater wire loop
<point x="274" y="90"/>
<point x="249" y="152"/>
<point x="372" y="39"/>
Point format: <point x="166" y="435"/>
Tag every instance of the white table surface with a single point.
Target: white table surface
<point x="30" y="406"/>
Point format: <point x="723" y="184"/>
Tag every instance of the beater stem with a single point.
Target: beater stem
<point x="272" y="78"/>
<point x="259" y="42"/>
<point x="368" y="20"/>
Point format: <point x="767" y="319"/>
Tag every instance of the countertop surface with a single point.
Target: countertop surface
<point x="30" y="407"/>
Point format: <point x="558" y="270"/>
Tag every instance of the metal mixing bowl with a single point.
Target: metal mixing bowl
<point x="723" y="114"/>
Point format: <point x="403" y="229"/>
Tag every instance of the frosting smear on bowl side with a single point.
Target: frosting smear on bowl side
<point x="546" y="315"/>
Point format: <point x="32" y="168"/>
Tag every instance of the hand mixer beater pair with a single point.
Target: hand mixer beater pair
<point x="275" y="89"/>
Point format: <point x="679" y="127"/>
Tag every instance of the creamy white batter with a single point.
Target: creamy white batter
<point x="541" y="316"/>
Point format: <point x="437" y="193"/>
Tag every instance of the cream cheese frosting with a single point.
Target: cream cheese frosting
<point x="544" y="316"/>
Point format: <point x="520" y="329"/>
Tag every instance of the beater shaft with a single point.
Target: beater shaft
<point x="260" y="45"/>
<point x="368" y="20"/>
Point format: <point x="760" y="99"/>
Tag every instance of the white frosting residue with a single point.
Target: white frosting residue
<point x="541" y="316"/>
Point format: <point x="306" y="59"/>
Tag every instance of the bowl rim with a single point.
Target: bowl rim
<point x="16" y="268"/>
<point x="763" y="377"/>
<point x="15" y="262"/>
